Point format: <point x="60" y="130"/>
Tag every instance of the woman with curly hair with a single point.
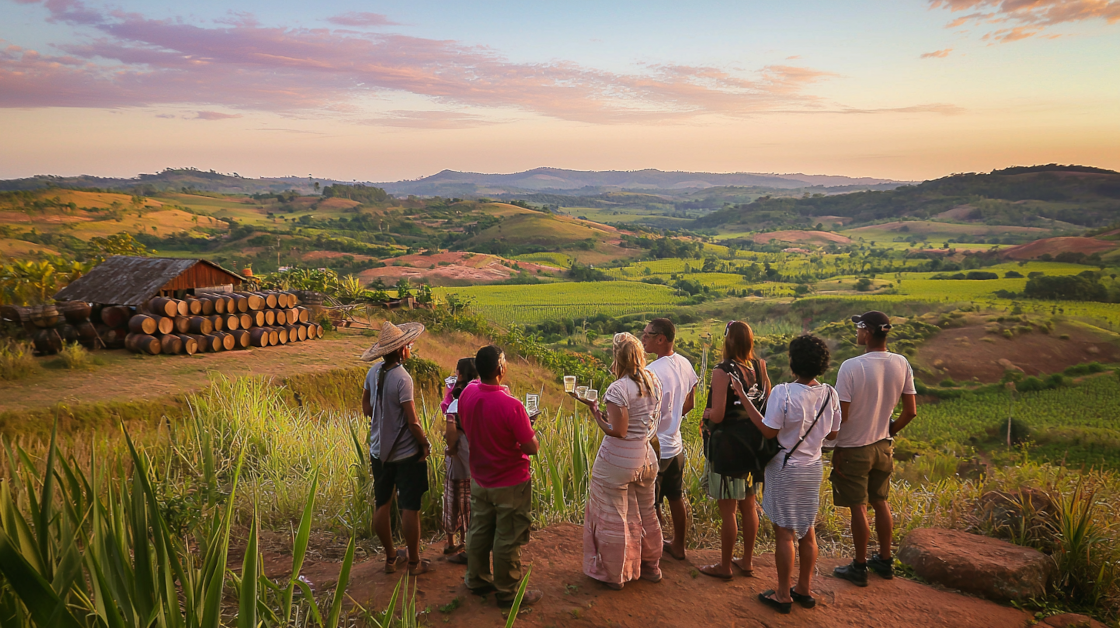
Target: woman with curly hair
<point x="621" y="534"/>
<point x="802" y="415"/>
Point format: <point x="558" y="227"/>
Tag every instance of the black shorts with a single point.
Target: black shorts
<point x="407" y="477"/>
<point x="670" y="478"/>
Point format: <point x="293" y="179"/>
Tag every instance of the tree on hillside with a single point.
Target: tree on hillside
<point x="1083" y="287"/>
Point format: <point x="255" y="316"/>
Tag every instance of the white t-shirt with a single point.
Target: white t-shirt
<point x="873" y="383"/>
<point x="791" y="410"/>
<point x="677" y="380"/>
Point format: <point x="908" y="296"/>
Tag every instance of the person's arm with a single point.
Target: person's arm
<point x="530" y="447"/>
<point x="367" y="405"/>
<point x="844" y="406"/>
<point x="719" y="396"/>
<point x="909" y="411"/>
<point x="613" y="422"/>
<point x="409" y="409"/>
<point x="451" y="436"/>
<point x="689" y="401"/>
<point x="752" y="412"/>
<point x="764" y="379"/>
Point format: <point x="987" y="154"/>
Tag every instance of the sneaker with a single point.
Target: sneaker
<point x="854" y="573"/>
<point x="882" y="566"/>
<point x="530" y="598"/>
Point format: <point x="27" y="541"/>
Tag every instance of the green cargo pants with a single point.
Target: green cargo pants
<point x="500" y="523"/>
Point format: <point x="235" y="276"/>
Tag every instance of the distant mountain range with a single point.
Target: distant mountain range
<point x="589" y="182"/>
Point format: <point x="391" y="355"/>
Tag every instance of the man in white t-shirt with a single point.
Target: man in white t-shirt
<point x="678" y="381"/>
<point x="869" y="387"/>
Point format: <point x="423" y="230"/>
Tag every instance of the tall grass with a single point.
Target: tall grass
<point x="16" y="360"/>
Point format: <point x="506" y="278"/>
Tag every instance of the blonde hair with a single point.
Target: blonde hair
<point x="630" y="361"/>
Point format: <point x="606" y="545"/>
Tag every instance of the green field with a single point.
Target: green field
<point x="532" y="304"/>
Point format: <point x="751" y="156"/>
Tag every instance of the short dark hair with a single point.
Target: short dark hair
<point x="487" y="361"/>
<point x="808" y="356"/>
<point x="665" y="327"/>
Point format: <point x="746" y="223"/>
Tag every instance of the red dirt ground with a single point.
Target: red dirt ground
<point x="459" y="266"/>
<point x="1053" y="246"/>
<point x="812" y="237"/>
<point x="963" y="354"/>
<point x="679" y="600"/>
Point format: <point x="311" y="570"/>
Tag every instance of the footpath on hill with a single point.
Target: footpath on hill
<point x="684" y="598"/>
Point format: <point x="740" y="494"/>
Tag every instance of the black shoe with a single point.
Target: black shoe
<point x="483" y="590"/>
<point x="530" y="598"/>
<point x="806" y="601"/>
<point x="782" y="607"/>
<point x="882" y="566"/>
<point x="854" y="573"/>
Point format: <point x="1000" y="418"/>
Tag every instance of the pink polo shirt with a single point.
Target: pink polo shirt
<point x="496" y="424"/>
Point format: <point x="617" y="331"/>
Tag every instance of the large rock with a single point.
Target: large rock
<point x="982" y="566"/>
<point x="1071" y="620"/>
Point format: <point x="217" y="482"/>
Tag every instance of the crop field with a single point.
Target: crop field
<point x="559" y="260"/>
<point x="935" y="230"/>
<point x="532" y="304"/>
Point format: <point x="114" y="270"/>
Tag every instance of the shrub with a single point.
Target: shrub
<point x="980" y="275"/>
<point x="948" y="383"/>
<point x="75" y="356"/>
<point x="1013" y="274"/>
<point x="16" y="361"/>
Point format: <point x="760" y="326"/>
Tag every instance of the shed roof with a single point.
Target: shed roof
<point x="128" y="280"/>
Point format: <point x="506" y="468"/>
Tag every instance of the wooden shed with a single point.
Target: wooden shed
<point x="128" y="280"/>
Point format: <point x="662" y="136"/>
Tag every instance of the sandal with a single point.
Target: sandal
<point x="806" y="601"/>
<point x="402" y="557"/>
<point x="748" y="573"/>
<point x="710" y="570"/>
<point x="782" y="607"/>
<point x="668" y="549"/>
<point x="454" y="549"/>
<point x="420" y="567"/>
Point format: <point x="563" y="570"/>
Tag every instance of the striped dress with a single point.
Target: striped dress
<point x="791" y="496"/>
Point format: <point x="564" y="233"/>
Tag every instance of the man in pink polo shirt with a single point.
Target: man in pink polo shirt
<point x="502" y="439"/>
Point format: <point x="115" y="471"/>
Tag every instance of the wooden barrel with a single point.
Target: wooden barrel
<point x="241" y="302"/>
<point x="68" y="333"/>
<point x="44" y="316"/>
<point x="309" y="297"/>
<point x="142" y="343"/>
<point x="282" y="317"/>
<point x="182" y="324"/>
<point x="208" y="343"/>
<point x="228" y="341"/>
<point x="87" y="335"/>
<point x="47" y="341"/>
<point x="75" y="312"/>
<point x="111" y="337"/>
<point x="318" y="330"/>
<point x="293" y="336"/>
<point x="231" y="322"/>
<point x="302" y="331"/>
<point x="170" y="344"/>
<point x="194" y="306"/>
<point x="219" y="303"/>
<point x="143" y="324"/>
<point x="258" y="318"/>
<point x="183" y="308"/>
<point x="244" y="321"/>
<point x="231" y="307"/>
<point x="115" y="316"/>
<point x="190" y="345"/>
<point x="258" y="337"/>
<point x="270" y="317"/>
<point x="201" y="326"/>
<point x="164" y="307"/>
<point x="14" y="314"/>
<point x="273" y="336"/>
<point x="241" y="338"/>
<point x="304" y="315"/>
<point x="217" y="321"/>
<point x="270" y="300"/>
<point x="164" y="324"/>
<point x="282" y="333"/>
<point x="256" y="302"/>
<point x="207" y="306"/>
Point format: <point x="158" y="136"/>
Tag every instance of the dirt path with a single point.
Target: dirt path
<point x="681" y="599"/>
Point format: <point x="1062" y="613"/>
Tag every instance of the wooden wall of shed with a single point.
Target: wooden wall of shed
<point x="198" y="276"/>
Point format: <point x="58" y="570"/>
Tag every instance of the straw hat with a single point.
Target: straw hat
<point x="392" y="338"/>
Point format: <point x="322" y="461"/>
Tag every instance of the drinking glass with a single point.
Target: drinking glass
<point x="591" y="394"/>
<point x="531" y="403"/>
<point x="569" y="383"/>
<point x="581" y="391"/>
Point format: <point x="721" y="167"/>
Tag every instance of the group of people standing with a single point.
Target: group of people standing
<point x="757" y="438"/>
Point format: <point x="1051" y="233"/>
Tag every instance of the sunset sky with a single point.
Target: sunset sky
<point x="380" y="91"/>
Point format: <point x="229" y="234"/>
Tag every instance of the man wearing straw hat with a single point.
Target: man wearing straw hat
<point x="398" y="448"/>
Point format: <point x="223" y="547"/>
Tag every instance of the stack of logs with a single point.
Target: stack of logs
<point x="209" y="322"/>
<point x="50" y="326"/>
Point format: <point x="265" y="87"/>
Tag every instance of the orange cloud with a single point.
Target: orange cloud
<point x="1027" y="18"/>
<point x="936" y="54"/>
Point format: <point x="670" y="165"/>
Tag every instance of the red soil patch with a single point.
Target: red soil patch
<point x="680" y="599"/>
<point x="337" y="203"/>
<point x="798" y="237"/>
<point x="456" y="266"/>
<point x="964" y="354"/>
<point x="1053" y="246"/>
<point x="315" y="255"/>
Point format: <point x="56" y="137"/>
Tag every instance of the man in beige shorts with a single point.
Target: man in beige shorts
<point x="869" y="387"/>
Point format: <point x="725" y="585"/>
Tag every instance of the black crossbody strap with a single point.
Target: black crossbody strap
<point x="827" y="402"/>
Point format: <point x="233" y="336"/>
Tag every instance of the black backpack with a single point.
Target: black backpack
<point x="735" y="447"/>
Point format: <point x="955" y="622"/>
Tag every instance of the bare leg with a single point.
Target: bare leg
<point x="680" y="525"/>
<point x="384" y="531"/>
<point x="884" y="527"/>
<point x="450" y="540"/>
<point x="783" y="556"/>
<point x="861" y="532"/>
<point x="749" y="508"/>
<point x="411" y="525"/>
<point x="807" y="554"/>
<point x="728" y="533"/>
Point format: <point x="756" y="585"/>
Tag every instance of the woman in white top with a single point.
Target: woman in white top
<point x="621" y="534"/>
<point x="802" y="414"/>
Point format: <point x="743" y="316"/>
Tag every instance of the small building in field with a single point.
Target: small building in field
<point x="129" y="280"/>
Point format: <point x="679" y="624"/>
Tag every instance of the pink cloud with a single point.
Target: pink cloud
<point x="355" y="18"/>
<point x="134" y="61"/>
<point x="430" y="120"/>
<point x="214" y="115"/>
<point x="936" y="54"/>
<point x="1021" y="19"/>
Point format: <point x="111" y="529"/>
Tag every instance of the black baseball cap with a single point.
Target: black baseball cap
<point x="876" y="322"/>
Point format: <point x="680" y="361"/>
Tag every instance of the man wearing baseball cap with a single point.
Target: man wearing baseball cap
<point x="869" y="387"/>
